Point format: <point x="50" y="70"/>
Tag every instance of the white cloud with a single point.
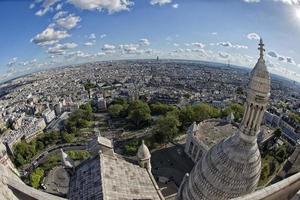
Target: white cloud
<point x="160" y="2"/>
<point x="129" y="48"/>
<point x="230" y="45"/>
<point x="281" y="58"/>
<point x="253" y="36"/>
<point x="46" y="6"/>
<point x="107" y="47"/>
<point x="61" y="48"/>
<point x="49" y="36"/>
<point x="144" y="42"/>
<point x="78" y="54"/>
<point x="175" y="5"/>
<point x="31" y="6"/>
<point x="60" y="14"/>
<point x="289" y="2"/>
<point x="100" y="54"/>
<point x="110" y="5"/>
<point x="175" y="44"/>
<point x="92" y="36"/>
<point x="290" y="60"/>
<point x="103" y="36"/>
<point x="69" y="21"/>
<point x="252" y="1"/>
<point x="214" y="33"/>
<point x="198" y="44"/>
<point x="224" y="55"/>
<point x="12" y="62"/>
<point x="88" y="44"/>
<point x="273" y="54"/>
<point x="58" y="7"/>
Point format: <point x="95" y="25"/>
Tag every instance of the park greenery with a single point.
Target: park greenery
<point x="38" y="174"/>
<point x="79" y="155"/>
<point x="295" y="117"/>
<point x="137" y="112"/>
<point x="167" y="121"/>
<point x="25" y="151"/>
<point x="88" y="86"/>
<point x="272" y="162"/>
<point x="80" y="118"/>
<point x="132" y="147"/>
<point x="36" y="177"/>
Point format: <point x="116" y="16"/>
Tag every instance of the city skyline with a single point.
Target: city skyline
<point x="44" y="34"/>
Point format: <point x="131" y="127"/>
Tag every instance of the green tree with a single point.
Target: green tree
<point x="265" y="172"/>
<point x="205" y="111"/>
<point x="40" y="145"/>
<point x="79" y="155"/>
<point x="277" y="133"/>
<point x="131" y="148"/>
<point x="239" y="90"/>
<point x="186" y="115"/>
<point x="67" y="137"/>
<point x="139" y="113"/>
<point x="86" y="107"/>
<point x="295" y="117"/>
<point x="236" y="109"/>
<point x="19" y="160"/>
<point x="36" y="176"/>
<point x="281" y="154"/>
<point x="88" y="86"/>
<point x="167" y="127"/>
<point x="161" y="109"/>
<point x="115" y="110"/>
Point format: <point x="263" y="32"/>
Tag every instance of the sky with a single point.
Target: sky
<point x="42" y="34"/>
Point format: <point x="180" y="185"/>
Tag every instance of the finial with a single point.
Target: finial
<point x="261" y="48"/>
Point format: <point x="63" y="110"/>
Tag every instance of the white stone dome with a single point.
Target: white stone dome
<point x="143" y="152"/>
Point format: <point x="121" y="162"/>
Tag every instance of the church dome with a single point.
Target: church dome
<point x="143" y="152"/>
<point x="229" y="169"/>
<point x="232" y="167"/>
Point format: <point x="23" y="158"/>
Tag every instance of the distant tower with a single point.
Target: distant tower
<point x="232" y="167"/>
<point x="144" y="156"/>
<point x="157" y="58"/>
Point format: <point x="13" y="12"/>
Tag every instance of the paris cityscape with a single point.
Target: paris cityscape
<point x="172" y="108"/>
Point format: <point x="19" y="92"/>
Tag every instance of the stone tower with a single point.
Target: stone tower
<point x="144" y="156"/>
<point x="232" y="167"/>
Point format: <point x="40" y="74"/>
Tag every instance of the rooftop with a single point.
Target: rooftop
<point x="212" y="131"/>
<point x="111" y="177"/>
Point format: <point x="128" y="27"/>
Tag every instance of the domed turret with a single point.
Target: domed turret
<point x="232" y="167"/>
<point x="67" y="161"/>
<point x="144" y="156"/>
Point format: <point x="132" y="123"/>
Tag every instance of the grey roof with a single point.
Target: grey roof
<point x="112" y="178"/>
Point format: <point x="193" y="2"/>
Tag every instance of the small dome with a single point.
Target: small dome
<point x="143" y="152"/>
<point x="67" y="161"/>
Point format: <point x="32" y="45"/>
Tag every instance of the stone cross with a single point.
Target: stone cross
<point x="261" y="48"/>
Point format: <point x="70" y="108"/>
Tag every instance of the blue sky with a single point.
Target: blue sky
<point x="41" y="34"/>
